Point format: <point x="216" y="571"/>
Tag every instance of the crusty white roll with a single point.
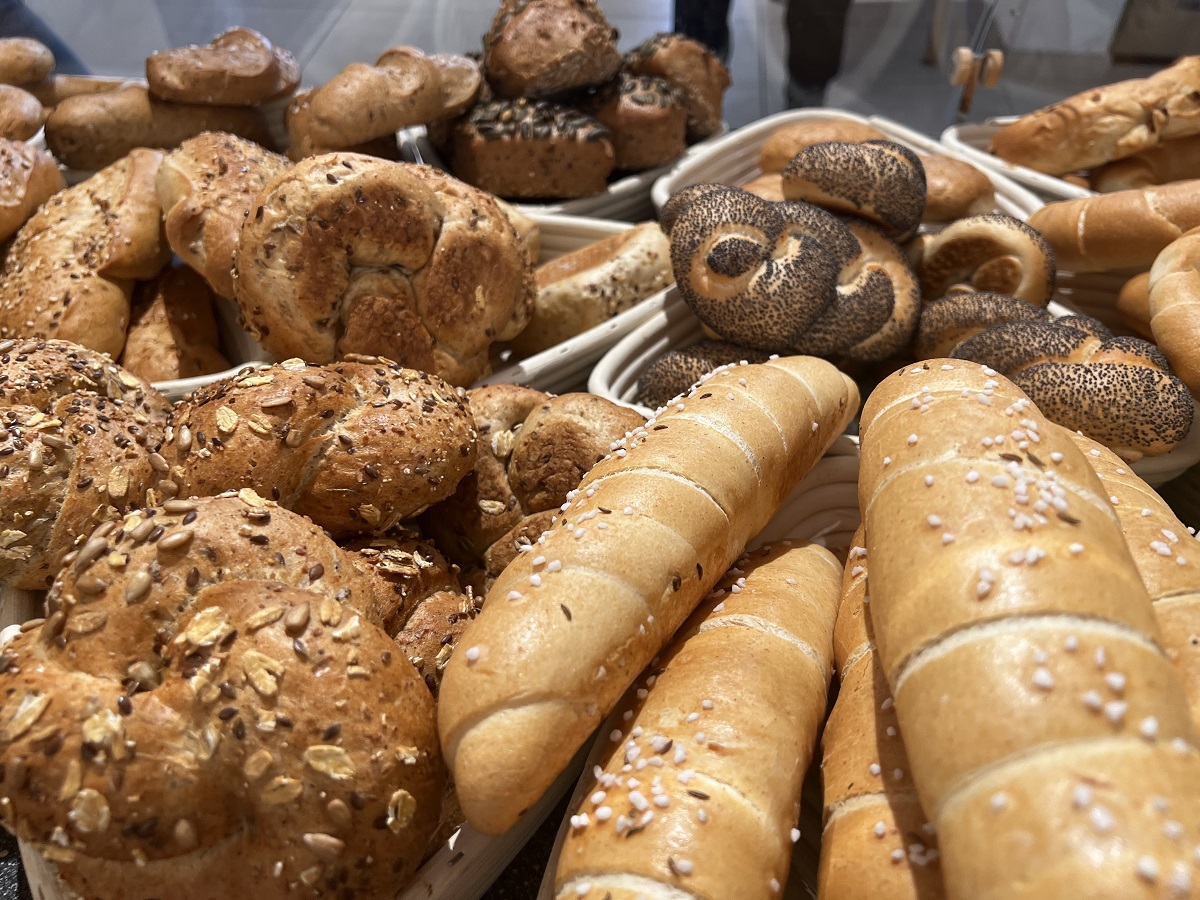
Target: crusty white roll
<point x="1045" y="727"/>
<point x="954" y="189"/>
<point x="1176" y="160"/>
<point x="28" y="178"/>
<point x="700" y="791"/>
<point x="579" y="290"/>
<point x="569" y="625"/>
<point x="1133" y="305"/>
<point x="876" y="841"/>
<point x="1174" y="290"/>
<point x="1122" y="230"/>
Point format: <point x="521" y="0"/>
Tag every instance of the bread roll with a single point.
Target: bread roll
<point x="788" y="140"/>
<point x="876" y="840"/>
<point x="675" y="371"/>
<point x="1122" y="230"/>
<point x="588" y="286"/>
<point x="1174" y="290"/>
<point x="21" y="115"/>
<point x="647" y="119"/>
<point x="23" y="60"/>
<point x="28" y="178"/>
<point x="237" y="68"/>
<point x="642" y="541"/>
<point x="90" y="131"/>
<point x="1176" y="160"/>
<point x="1106" y="123"/>
<point x="206" y="188"/>
<point x="1133" y="305"/>
<point x="1001" y="566"/>
<point x="731" y="711"/>
<point x="172" y="329"/>
<point x="54" y="89"/>
<point x="768" y="185"/>
<point x="69" y="271"/>
<point x="693" y="70"/>
<point x="528" y="230"/>
<point x="330" y="263"/>
<point x="954" y="189"/>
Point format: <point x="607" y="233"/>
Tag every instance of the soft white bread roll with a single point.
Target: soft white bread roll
<point x="1048" y="734"/>
<point x="1174" y="290"/>
<point x="1166" y="555"/>
<point x="1176" y="160"/>
<point x="700" y="791"/>
<point x="877" y="841"/>
<point x="569" y="625"/>
<point x="1123" y="230"/>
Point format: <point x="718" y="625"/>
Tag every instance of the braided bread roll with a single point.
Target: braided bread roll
<point x="1045" y="727"/>
<point x="569" y="625"/>
<point x="731" y="711"/>
<point x="876" y="842"/>
<point x="1175" y="305"/>
<point x="1166" y="556"/>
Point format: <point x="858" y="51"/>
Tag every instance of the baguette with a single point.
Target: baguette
<point x="1044" y="725"/>
<point x="732" y="713"/>
<point x="546" y="662"/>
<point x="1176" y="160"/>
<point x="1174" y="293"/>
<point x="1106" y="123"/>
<point x="1124" y="230"/>
<point x="1166" y="556"/>
<point x="877" y="842"/>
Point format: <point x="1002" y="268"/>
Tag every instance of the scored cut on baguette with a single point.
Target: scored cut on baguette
<point x="571" y="623"/>
<point x="700" y="791"/>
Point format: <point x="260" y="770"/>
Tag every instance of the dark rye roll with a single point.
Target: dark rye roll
<point x="693" y="69"/>
<point x="647" y="118"/>
<point x="525" y="149"/>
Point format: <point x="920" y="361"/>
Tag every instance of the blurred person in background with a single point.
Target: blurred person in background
<point x="18" y="20"/>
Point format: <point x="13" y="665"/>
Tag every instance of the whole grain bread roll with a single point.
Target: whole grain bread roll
<point x="786" y="141"/>
<point x="206" y="189"/>
<point x="693" y="70"/>
<point x="90" y="131"/>
<point x="330" y="263"/>
<point x="749" y="670"/>
<point x="539" y="48"/>
<point x="254" y="719"/>
<point x="644" y="538"/>
<point x="1174" y="160"/>
<point x="1106" y="123"/>
<point x="173" y="329"/>
<point x="647" y="119"/>
<point x="69" y="271"/>
<point x="355" y="446"/>
<point x="1174" y="295"/>
<point x="28" y="178"/>
<point x="1122" y="230"/>
<point x="21" y="115"/>
<point x="23" y="60"/>
<point x="1037" y="707"/>
<point x="239" y="67"/>
<point x="581" y="289"/>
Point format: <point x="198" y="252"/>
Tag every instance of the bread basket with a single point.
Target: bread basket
<point x="733" y="159"/>
<point x="971" y="141"/>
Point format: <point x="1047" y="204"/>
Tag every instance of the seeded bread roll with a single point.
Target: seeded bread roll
<point x="330" y="263"/>
<point x="23" y="60"/>
<point x="69" y="271"/>
<point x="683" y="496"/>
<point x="582" y="289"/>
<point x="731" y="711"/>
<point x="408" y="571"/>
<point x="206" y="188"/>
<point x="21" y="115"/>
<point x="947" y="322"/>
<point x="247" y="657"/>
<point x="353" y="446"/>
<point x="28" y="178"/>
<point x="539" y="48"/>
<point x="91" y="131"/>
<point x="788" y="140"/>
<point x="522" y="149"/>
<point x="693" y="70"/>
<point x="528" y="230"/>
<point x="647" y="119"/>
<point x="237" y="68"/>
<point x="1174" y="295"/>
<point x="673" y="373"/>
<point x="173" y="329"/>
<point x="1086" y="750"/>
<point x="876" y="840"/>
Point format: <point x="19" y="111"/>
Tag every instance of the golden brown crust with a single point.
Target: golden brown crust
<point x="69" y="271"/>
<point x="206" y="188"/>
<point x="433" y="630"/>
<point x="90" y="131"/>
<point x="538" y="48"/>
<point x="53" y="89"/>
<point x="408" y="571"/>
<point x="173" y="329"/>
<point x="1174" y="299"/>
<point x="788" y="140"/>
<point x="237" y="68"/>
<point x="1133" y="305"/>
<point x="21" y="115"/>
<point x="356" y="447"/>
<point x="647" y="119"/>
<point x="1174" y="160"/>
<point x="693" y="70"/>
<point x="23" y="60"/>
<point x="673" y="373"/>
<point x="28" y="178"/>
<point x="768" y="185"/>
<point x="329" y="263"/>
<point x="954" y="189"/>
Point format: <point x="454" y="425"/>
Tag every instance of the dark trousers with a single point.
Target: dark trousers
<point x="816" y="29"/>
<point x="706" y="21"/>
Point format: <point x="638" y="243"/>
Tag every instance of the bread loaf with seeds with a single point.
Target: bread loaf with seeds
<point x="173" y="328"/>
<point x="699" y="791"/>
<point x="356" y="446"/>
<point x="648" y="533"/>
<point x="1045" y="727"/>
<point x="693" y="70"/>
<point x="647" y="119"/>
<point x="29" y="177"/>
<point x="876" y="840"/>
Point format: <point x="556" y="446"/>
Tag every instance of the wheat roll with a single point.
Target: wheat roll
<point x="571" y="623"/>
